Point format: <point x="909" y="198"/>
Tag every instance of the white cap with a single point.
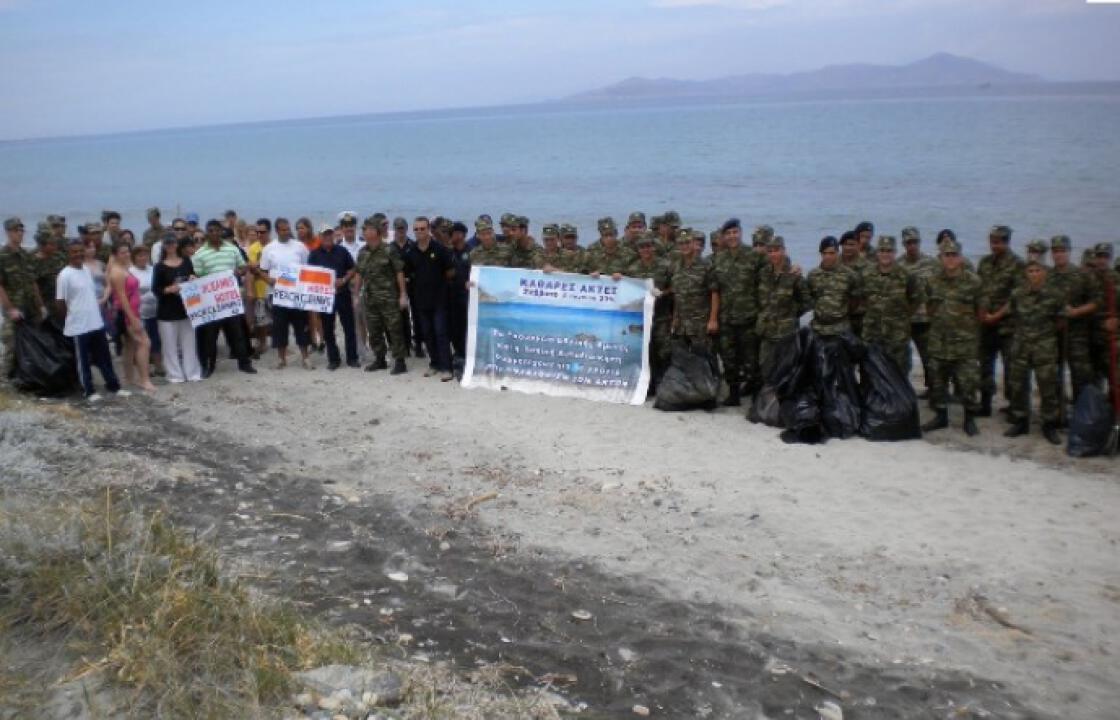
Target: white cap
<point x="326" y="227"/>
<point x="348" y="215"/>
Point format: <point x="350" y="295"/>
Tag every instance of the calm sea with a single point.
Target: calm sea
<point x="1043" y="165"/>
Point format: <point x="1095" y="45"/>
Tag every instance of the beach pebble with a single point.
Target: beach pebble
<point x="581" y="615"/>
<point x="627" y="655"/>
<point x="640" y="710"/>
<point x="445" y="546"/>
<point x="829" y="710"/>
<point x="397" y="576"/>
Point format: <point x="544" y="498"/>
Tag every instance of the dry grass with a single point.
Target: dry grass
<point x="148" y="606"/>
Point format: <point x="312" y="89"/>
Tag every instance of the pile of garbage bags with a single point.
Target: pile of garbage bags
<point x="691" y="381"/>
<point x="1091" y="425"/>
<point x="812" y="391"/>
<point x="44" y="360"/>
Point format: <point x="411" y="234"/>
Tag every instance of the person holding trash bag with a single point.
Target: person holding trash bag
<point x="19" y="293"/>
<point x="954" y="305"/>
<point x="833" y="290"/>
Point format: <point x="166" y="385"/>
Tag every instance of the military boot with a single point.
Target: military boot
<point x="733" y="396"/>
<point x="1018" y="427"/>
<point x="1050" y="432"/>
<point x="969" y="426"/>
<point x="985" y="405"/>
<point x="940" y="421"/>
<point x="398" y="367"/>
<point x="377" y="364"/>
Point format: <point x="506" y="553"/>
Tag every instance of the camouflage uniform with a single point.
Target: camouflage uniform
<point x="378" y="269"/>
<point x="523" y="257"/>
<point x="1077" y="287"/>
<point x="659" y="345"/>
<point x="892" y="298"/>
<point x="736" y="270"/>
<point x="832" y="292"/>
<point x="860" y="266"/>
<point x="1106" y="279"/>
<point x="153" y="235"/>
<point x="1035" y="347"/>
<point x="496" y="256"/>
<point x="783" y="297"/>
<point x="692" y="286"/>
<point x="46" y="277"/>
<point x="923" y="268"/>
<point x="999" y="276"/>
<point x="954" y="337"/>
<point x="609" y="262"/>
<point x="18" y="278"/>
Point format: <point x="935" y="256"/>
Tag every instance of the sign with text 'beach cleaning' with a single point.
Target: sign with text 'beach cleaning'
<point x="212" y="298"/>
<point x="559" y="334"/>
<point x="304" y="287"/>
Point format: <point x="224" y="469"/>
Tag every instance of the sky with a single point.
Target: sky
<point x="75" y="67"/>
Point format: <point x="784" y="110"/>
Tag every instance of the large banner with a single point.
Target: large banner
<point x="559" y="334"/>
<point x="212" y="298"/>
<point x="304" y="287"/>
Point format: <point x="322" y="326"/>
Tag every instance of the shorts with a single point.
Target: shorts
<point x="262" y="312"/>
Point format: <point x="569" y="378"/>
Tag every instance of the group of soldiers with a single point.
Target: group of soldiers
<point x="739" y="301"/>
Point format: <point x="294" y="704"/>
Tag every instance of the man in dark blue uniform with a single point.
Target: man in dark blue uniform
<point x="337" y="258"/>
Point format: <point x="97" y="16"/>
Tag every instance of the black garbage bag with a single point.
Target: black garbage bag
<point x="1090" y="424"/>
<point x="801" y="416"/>
<point x="44" y="360"/>
<point x="792" y="365"/>
<point x="837" y="389"/>
<point x="766" y="408"/>
<point x="691" y="382"/>
<point x="890" y="405"/>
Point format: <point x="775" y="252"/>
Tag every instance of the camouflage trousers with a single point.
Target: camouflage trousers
<point x="995" y="341"/>
<point x="1042" y="358"/>
<point x="1075" y="353"/>
<point x="738" y="351"/>
<point x="919" y="333"/>
<point x="383" y="317"/>
<point x="966" y="376"/>
<point x="7" y="352"/>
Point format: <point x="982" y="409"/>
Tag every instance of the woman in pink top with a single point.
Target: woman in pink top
<point x="125" y="292"/>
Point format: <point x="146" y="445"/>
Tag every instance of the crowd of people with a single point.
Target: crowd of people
<point x="400" y="294"/>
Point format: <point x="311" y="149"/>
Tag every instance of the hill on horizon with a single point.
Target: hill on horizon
<point x="938" y="70"/>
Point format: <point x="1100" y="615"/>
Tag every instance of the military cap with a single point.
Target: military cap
<point x="946" y="233"/>
<point x="848" y="235"/>
<point x="761" y="235"/>
<point x="1102" y="248"/>
<point x="911" y="233"/>
<point x="521" y="221"/>
<point x="671" y="217"/>
<point x="1000" y="231"/>
<point x="606" y="225"/>
<point x="444" y="223"/>
<point x="887" y="242"/>
<point x="568" y="230"/>
<point x="865" y="226"/>
<point x="1060" y="242"/>
<point x="684" y="235"/>
<point x="828" y="241"/>
<point x="713" y="236"/>
<point x="372" y="221"/>
<point x="347" y="217"/>
<point x="729" y="224"/>
<point x="555" y="227"/>
<point x="400" y="223"/>
<point x="56" y="220"/>
<point x="636" y="216"/>
<point x="91" y="228"/>
<point x="550" y="231"/>
<point x="458" y="227"/>
<point x="42" y="233"/>
<point x="698" y="235"/>
<point x="486" y="217"/>
<point x="655" y="222"/>
<point x="644" y="240"/>
<point x="1036" y="262"/>
<point x="153" y="212"/>
<point x="950" y="245"/>
<point x="508" y="219"/>
<point x="13" y="223"/>
<point x="481" y="224"/>
<point x="1038" y="246"/>
<point x="776" y="241"/>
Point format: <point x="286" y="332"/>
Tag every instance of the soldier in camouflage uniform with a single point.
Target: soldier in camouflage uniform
<point x="92" y="235"/>
<point x="695" y="294"/>
<point x="954" y="303"/>
<point x="572" y="257"/>
<point x="155" y="231"/>
<point x="19" y="293"/>
<point x="853" y="258"/>
<point x="648" y="265"/>
<point x="635" y="231"/>
<point x="833" y="290"/>
<point x="1105" y="331"/>
<point x="736" y="270"/>
<point x="760" y="240"/>
<point x="49" y="261"/>
<point x="488" y="252"/>
<point x="506" y="222"/>
<point x="1036" y="307"/>
<point x="57" y="225"/>
<point x="523" y="251"/>
<point x="1036" y="250"/>
<point x="549" y="257"/>
<point x="1081" y="292"/>
<point x="999" y="274"/>
<point x="864" y="231"/>
<point x="893" y="295"/>
<point x="384" y="295"/>
<point x="609" y="257"/>
<point x="923" y="267"/>
<point x="783" y="298"/>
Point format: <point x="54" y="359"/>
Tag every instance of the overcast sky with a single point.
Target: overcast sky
<point x="78" y="67"/>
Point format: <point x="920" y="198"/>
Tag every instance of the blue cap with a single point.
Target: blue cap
<point x="192" y="218"/>
<point x="828" y="242"/>
<point x="731" y="223"/>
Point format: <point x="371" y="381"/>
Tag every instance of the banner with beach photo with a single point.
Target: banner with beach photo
<point x="304" y="287"/>
<point x="559" y="334"/>
<point x="212" y="298"/>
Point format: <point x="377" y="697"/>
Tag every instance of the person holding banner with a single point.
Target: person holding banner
<point x="215" y="257"/>
<point x="338" y="259"/>
<point x="278" y="255"/>
<point x="176" y="334"/>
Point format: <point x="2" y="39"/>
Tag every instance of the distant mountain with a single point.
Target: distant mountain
<point x="940" y="70"/>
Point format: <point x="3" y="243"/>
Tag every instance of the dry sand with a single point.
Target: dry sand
<point x="996" y="558"/>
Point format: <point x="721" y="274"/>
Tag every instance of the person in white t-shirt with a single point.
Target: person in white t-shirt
<point x="281" y="253"/>
<point x="78" y="303"/>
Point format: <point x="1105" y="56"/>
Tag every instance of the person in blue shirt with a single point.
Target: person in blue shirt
<point x="337" y="258"/>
